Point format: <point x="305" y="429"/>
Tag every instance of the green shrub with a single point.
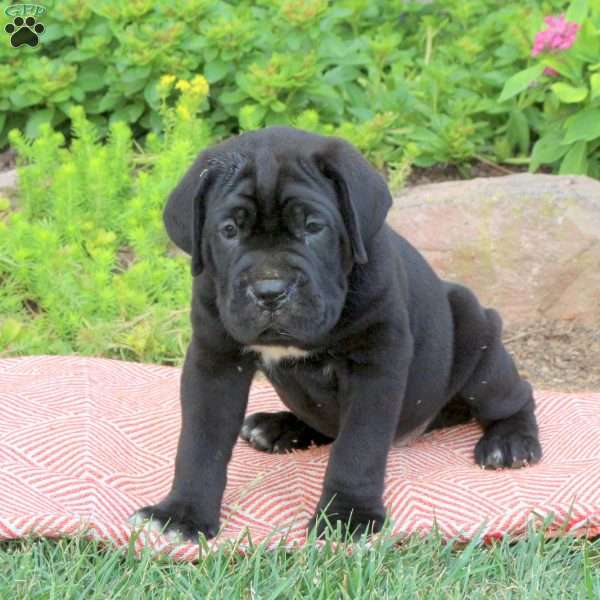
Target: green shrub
<point x="84" y="265"/>
<point x="400" y="78"/>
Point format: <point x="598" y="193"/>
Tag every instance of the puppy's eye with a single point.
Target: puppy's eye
<point x="313" y="227"/>
<point x="229" y="229"/>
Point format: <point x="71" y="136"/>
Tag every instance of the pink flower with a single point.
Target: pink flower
<point x="559" y="35"/>
<point x="551" y="72"/>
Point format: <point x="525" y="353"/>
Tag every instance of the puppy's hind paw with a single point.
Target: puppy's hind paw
<point x="279" y="432"/>
<point x="515" y="450"/>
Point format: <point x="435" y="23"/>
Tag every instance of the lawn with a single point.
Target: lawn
<point x="532" y="568"/>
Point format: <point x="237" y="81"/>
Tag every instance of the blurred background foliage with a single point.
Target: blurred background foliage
<point x="408" y="82"/>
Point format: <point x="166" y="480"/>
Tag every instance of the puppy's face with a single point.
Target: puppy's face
<point x="278" y="218"/>
<point x="279" y="250"/>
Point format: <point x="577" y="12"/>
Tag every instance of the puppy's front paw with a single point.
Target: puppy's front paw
<point x="179" y="521"/>
<point x="511" y="449"/>
<point x="354" y="520"/>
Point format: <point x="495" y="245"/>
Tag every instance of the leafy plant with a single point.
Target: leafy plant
<point x="85" y="263"/>
<point x="386" y="73"/>
<point x="564" y="82"/>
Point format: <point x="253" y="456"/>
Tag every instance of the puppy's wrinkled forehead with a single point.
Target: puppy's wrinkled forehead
<point x="271" y="171"/>
<point x="268" y="174"/>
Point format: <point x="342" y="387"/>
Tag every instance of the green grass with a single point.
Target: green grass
<point x="532" y="568"/>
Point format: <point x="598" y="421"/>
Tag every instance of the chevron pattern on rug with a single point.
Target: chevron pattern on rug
<point x="86" y="441"/>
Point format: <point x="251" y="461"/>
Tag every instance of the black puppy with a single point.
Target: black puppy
<point x="295" y="273"/>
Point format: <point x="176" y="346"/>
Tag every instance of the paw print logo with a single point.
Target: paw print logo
<point x="24" y="32"/>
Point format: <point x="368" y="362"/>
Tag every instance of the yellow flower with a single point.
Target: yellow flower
<point x="184" y="112"/>
<point x="200" y="85"/>
<point x="164" y="84"/>
<point x="166" y="81"/>
<point x="183" y="85"/>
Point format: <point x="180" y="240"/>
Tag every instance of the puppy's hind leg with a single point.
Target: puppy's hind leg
<point x="280" y="432"/>
<point x="498" y="397"/>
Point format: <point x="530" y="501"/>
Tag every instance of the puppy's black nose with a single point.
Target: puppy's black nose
<point x="270" y="293"/>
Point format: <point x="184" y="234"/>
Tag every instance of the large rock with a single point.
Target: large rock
<point x="528" y="245"/>
<point x="8" y="185"/>
<point x="8" y="179"/>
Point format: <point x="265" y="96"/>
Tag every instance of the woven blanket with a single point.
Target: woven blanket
<point x="86" y="441"/>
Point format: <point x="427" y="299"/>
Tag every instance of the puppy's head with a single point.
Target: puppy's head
<point x="278" y="218"/>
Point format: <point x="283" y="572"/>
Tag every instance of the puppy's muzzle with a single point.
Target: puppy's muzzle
<point x="270" y="294"/>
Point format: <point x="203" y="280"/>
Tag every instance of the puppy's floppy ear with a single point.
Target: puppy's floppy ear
<point x="363" y="194"/>
<point x="184" y="213"/>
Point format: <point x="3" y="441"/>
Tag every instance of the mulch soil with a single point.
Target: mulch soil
<point x="557" y="355"/>
<point x="7" y="160"/>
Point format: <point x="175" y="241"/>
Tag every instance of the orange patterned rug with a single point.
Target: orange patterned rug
<point x="86" y="441"/>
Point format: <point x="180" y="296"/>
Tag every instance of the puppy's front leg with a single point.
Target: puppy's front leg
<point x="353" y="487"/>
<point x="214" y="394"/>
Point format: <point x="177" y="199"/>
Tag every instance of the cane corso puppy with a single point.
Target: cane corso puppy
<point x="296" y="273"/>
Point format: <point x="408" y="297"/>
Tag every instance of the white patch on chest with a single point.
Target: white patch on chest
<point x="271" y="355"/>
